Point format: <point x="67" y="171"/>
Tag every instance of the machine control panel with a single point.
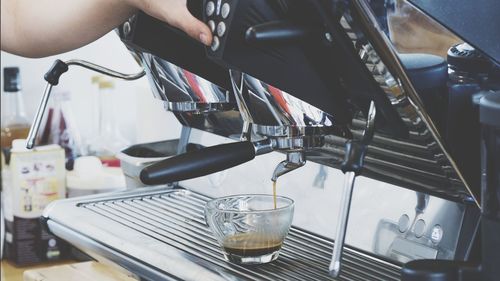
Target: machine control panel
<point x="217" y="15"/>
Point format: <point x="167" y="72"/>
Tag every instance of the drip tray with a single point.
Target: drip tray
<point x="163" y="233"/>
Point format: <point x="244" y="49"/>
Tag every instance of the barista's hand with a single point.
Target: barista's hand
<point x="48" y="27"/>
<point x="175" y="13"/>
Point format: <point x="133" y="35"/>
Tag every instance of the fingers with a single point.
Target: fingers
<point x="176" y="13"/>
<point x="193" y="27"/>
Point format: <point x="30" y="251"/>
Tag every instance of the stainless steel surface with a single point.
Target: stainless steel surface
<point x="416" y="163"/>
<point x="294" y="160"/>
<point x="373" y="220"/>
<point x="35" y="127"/>
<point x="346" y="193"/>
<point x="369" y="131"/>
<point x="263" y="147"/>
<point x="183" y="140"/>
<point x="272" y="113"/>
<point x="375" y="209"/>
<point x="343" y="214"/>
<point x="106" y="71"/>
<point x="183" y="91"/>
<point x="382" y="59"/>
<point x="163" y="233"/>
<point x="420" y="162"/>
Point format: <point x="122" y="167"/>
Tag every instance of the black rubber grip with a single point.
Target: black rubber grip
<point x="57" y="69"/>
<point x="276" y="31"/>
<point x="198" y="163"/>
<point x="354" y="157"/>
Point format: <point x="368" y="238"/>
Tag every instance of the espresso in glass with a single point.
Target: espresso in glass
<point x="249" y="228"/>
<point x="250" y="244"/>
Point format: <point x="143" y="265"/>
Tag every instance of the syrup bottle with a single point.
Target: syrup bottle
<point x="14" y="123"/>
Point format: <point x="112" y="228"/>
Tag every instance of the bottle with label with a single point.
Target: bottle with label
<point x="109" y="141"/>
<point x="14" y="123"/>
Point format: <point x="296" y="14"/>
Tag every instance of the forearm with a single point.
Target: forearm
<point x="37" y="28"/>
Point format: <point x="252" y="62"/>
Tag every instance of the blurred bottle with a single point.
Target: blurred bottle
<point x="109" y="141"/>
<point x="95" y="110"/>
<point x="14" y="124"/>
<point x="60" y="128"/>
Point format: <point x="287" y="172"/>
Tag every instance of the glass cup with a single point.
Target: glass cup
<point x="249" y="228"/>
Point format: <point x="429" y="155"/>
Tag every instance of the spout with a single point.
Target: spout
<point x="294" y="160"/>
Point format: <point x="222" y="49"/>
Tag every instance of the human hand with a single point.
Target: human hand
<point x="175" y="13"/>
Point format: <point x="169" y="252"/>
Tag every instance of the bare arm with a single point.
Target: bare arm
<point x="37" y="28"/>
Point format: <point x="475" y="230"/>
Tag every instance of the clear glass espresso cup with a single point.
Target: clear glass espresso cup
<point x="249" y="228"/>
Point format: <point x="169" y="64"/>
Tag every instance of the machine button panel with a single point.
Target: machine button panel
<point x="218" y="17"/>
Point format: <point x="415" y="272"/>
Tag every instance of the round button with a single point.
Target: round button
<point x="437" y="234"/>
<point x="211" y="24"/>
<point x="210" y="9"/>
<point x="221" y="29"/>
<point x="215" y="44"/>
<point x="225" y="10"/>
<point x="403" y="223"/>
<point x="419" y="228"/>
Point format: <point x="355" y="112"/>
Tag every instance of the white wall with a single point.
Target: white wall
<point x="140" y="117"/>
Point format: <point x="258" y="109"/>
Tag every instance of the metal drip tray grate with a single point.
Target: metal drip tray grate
<point x="176" y="218"/>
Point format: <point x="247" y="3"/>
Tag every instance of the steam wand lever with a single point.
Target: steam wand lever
<point x="52" y="77"/>
<point x="352" y="166"/>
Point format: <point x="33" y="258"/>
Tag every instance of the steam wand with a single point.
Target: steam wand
<point x="351" y="167"/>
<point x="52" y="77"/>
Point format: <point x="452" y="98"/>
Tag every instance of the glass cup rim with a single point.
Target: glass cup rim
<point x="291" y="201"/>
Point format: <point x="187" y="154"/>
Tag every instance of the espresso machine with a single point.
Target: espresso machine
<point x="383" y="148"/>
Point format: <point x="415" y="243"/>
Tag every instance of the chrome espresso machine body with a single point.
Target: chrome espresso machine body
<point x="318" y="81"/>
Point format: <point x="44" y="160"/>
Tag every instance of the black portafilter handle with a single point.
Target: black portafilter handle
<point x="198" y="163"/>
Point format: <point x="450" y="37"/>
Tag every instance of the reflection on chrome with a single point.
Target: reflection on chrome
<point x="274" y="113"/>
<point x="182" y="90"/>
